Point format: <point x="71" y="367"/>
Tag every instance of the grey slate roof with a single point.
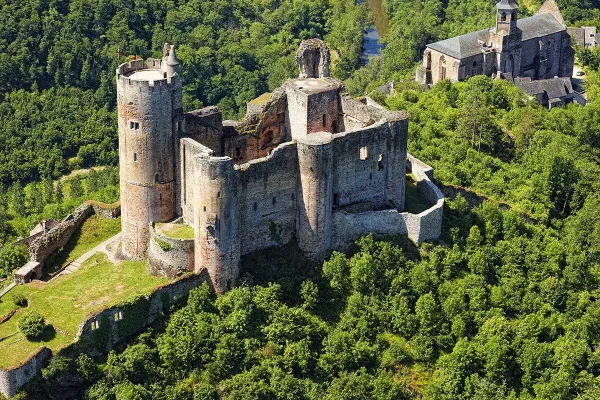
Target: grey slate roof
<point x="462" y="46"/>
<point x="507" y="4"/>
<point x="554" y="88"/>
<point x="539" y="25"/>
<point x="467" y="45"/>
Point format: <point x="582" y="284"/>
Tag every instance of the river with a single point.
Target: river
<point x="371" y="42"/>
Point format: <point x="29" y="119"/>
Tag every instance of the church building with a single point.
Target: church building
<point x="537" y="47"/>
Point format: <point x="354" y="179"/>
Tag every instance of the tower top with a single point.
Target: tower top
<point x="507" y="5"/>
<point x="172" y="60"/>
<point x="506" y="16"/>
<point x="313" y="58"/>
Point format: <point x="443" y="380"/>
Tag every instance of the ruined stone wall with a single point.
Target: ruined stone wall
<point x="205" y="126"/>
<point x="110" y="211"/>
<point x="11" y="379"/>
<point x="347" y="227"/>
<point x="169" y="257"/>
<point x="43" y="246"/>
<point x="147" y="121"/>
<point x="134" y="316"/>
<point x="188" y="149"/>
<point x="268" y="199"/>
<point x="366" y="165"/>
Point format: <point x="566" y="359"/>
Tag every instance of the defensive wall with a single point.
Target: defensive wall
<point x="349" y="226"/>
<point x="168" y="256"/>
<point x="43" y="246"/>
<point x="11" y="379"/>
<point x="103" y="329"/>
<point x="291" y="193"/>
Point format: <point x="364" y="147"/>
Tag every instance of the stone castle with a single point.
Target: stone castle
<point x="533" y="48"/>
<point x="308" y="163"/>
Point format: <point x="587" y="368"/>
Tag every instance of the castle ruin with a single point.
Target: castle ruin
<point x="309" y="164"/>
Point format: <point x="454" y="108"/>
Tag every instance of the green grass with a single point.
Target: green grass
<point x="414" y="201"/>
<point x="90" y="234"/>
<point x="66" y="301"/>
<point x="176" y="231"/>
<point x="262" y="99"/>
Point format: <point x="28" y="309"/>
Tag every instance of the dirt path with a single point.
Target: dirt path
<point x="102" y="247"/>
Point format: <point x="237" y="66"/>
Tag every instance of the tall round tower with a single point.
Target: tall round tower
<point x="149" y="98"/>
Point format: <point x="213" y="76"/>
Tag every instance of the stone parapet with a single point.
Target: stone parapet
<point x="168" y="256"/>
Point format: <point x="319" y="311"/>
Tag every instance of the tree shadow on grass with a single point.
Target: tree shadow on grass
<point x="47" y="335"/>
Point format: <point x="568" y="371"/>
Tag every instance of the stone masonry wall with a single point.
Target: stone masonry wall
<point x="347" y="227"/>
<point x="42" y="247"/>
<point x="11" y="379"/>
<point x="173" y="257"/>
<point x="134" y="317"/>
<point x="267" y="199"/>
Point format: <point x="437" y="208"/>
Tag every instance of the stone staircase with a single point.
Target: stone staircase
<point x="71" y="267"/>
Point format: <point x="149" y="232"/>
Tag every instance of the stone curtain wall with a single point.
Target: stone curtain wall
<point x="347" y="227"/>
<point x="12" y="379"/>
<point x="136" y="315"/>
<point x="42" y="247"/>
<point x="110" y="211"/>
<point x="268" y="199"/>
<point x="168" y="256"/>
<point x="120" y="322"/>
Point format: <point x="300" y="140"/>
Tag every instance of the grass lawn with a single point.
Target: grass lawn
<point x="414" y="201"/>
<point x="66" y="301"/>
<point x="176" y="231"/>
<point x="90" y="234"/>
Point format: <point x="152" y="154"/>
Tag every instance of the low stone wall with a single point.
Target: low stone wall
<point x="12" y="379"/>
<point x="347" y="227"/>
<point x="102" y="330"/>
<point x="110" y="211"/>
<point x="168" y="256"/>
<point x="114" y="324"/>
<point x="42" y="247"/>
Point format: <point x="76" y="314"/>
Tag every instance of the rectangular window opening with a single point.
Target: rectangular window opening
<point x="134" y="125"/>
<point x="134" y="157"/>
<point x="118" y="316"/>
<point x="364" y="153"/>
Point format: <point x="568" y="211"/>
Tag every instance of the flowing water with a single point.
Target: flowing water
<point x="372" y="40"/>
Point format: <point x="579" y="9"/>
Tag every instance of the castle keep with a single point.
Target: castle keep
<point x="308" y="163"/>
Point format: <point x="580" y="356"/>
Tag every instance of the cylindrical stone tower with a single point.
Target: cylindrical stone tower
<point x="149" y="98"/>
<point x="315" y="202"/>
<point x="216" y="218"/>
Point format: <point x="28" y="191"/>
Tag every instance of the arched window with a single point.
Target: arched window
<point x="156" y="178"/>
<point x="503" y="17"/>
<point x="442" y="68"/>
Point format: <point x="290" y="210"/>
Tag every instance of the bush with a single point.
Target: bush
<point x="19" y="300"/>
<point x="32" y="324"/>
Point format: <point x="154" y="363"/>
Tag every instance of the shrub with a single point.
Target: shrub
<point x="19" y="300"/>
<point x="32" y="324"/>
